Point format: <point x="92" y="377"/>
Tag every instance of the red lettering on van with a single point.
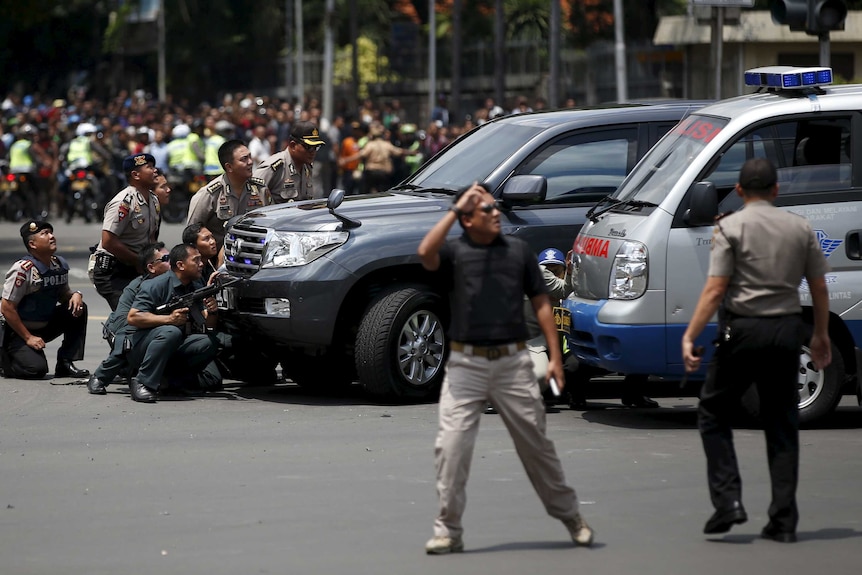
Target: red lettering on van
<point x="591" y="246"/>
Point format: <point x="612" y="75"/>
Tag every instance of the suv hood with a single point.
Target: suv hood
<point x="371" y="210"/>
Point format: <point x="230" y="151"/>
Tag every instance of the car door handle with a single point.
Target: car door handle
<point x="853" y="245"/>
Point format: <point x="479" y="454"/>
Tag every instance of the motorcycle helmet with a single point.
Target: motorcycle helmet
<point x="224" y="128"/>
<point x="28" y="130"/>
<point x="180" y="131"/>
<point x="85" y="129"/>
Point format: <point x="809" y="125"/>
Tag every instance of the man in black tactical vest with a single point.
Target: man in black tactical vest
<point x="38" y="307"/>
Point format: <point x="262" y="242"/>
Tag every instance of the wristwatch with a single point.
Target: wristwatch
<point x="454" y="208"/>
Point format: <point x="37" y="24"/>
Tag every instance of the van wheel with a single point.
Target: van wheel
<point x="400" y="347"/>
<point x="819" y="390"/>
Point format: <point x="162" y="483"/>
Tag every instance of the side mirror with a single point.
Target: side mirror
<point x="524" y="189"/>
<point x="335" y="198"/>
<point x="702" y="206"/>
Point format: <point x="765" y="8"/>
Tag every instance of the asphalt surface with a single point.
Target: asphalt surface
<point x="278" y="480"/>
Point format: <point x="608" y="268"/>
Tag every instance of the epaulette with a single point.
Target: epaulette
<point x="277" y="165"/>
<point x="215" y="187"/>
<point x="26" y="264"/>
<point x="257" y="181"/>
<point x="723" y="215"/>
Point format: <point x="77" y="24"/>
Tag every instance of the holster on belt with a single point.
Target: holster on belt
<point x="105" y="261"/>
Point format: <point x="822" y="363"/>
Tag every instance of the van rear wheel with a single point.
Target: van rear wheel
<point x="819" y="390"/>
<point x="400" y="346"/>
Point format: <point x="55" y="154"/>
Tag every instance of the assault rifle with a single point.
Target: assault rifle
<point x="181" y="301"/>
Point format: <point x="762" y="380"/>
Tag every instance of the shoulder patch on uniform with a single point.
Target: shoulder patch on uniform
<point x="26" y="264"/>
<point x="723" y="215"/>
<point x="215" y="187"/>
<point x="257" y="181"/>
<point x="276" y="165"/>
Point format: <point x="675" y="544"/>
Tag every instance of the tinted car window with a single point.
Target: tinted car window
<point x="474" y="156"/>
<point x="584" y="167"/>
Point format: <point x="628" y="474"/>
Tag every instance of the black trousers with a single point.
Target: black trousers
<point x="763" y="352"/>
<point x="111" y="283"/>
<point x="24" y="362"/>
<point x="166" y="350"/>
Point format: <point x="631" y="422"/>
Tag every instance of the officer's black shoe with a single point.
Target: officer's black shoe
<point x="141" y="392"/>
<point x="775" y="534"/>
<point x="639" y="401"/>
<point x="96" y="386"/>
<point x="65" y="368"/>
<point x="723" y="519"/>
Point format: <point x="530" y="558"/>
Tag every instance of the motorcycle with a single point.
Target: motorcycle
<point x="83" y="197"/>
<point x="12" y="205"/>
<point x="184" y="185"/>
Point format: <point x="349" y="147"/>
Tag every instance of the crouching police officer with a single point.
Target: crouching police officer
<point x="34" y="287"/>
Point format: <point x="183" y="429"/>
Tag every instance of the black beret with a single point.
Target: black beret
<point x="131" y="163"/>
<point x="34" y="227"/>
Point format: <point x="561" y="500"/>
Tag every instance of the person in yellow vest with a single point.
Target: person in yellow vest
<point x="178" y="151"/>
<point x="82" y="153"/>
<point x="24" y="162"/>
<point x="212" y="165"/>
<point x="410" y="143"/>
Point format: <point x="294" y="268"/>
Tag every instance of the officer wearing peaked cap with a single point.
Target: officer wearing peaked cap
<point x="288" y="174"/>
<point x="38" y="307"/>
<point x="131" y="222"/>
<point x="233" y="193"/>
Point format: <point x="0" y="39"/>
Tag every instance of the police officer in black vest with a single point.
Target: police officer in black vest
<point x="38" y="307"/>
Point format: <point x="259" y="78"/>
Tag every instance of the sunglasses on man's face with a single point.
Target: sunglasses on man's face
<point x="164" y="258"/>
<point x="488" y="208"/>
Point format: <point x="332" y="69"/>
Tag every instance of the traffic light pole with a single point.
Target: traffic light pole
<point x="825" y="49"/>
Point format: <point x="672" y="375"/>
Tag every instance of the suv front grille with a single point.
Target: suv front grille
<point x="243" y="249"/>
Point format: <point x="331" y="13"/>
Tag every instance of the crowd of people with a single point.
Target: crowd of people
<point x="45" y="138"/>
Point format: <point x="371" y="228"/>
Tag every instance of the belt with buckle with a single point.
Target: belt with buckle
<point x="490" y="352"/>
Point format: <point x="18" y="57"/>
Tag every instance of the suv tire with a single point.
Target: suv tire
<point x="400" y="346"/>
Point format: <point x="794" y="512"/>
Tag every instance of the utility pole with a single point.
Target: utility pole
<point x="432" y="57"/>
<point x="300" y="54"/>
<point x="288" y="48"/>
<point x="162" y="67"/>
<point x="554" y="80"/>
<point x="620" y="52"/>
<point x="329" y="24"/>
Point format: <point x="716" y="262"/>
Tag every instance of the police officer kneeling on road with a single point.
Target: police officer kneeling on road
<point x="34" y="287"/>
<point x="176" y="344"/>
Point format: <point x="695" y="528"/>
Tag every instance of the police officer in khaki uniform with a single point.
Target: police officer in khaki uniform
<point x="34" y="287"/>
<point x="759" y="256"/>
<point x="131" y="222"/>
<point x="233" y="193"/>
<point x="288" y="174"/>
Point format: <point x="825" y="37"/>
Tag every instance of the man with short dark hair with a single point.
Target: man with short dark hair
<point x="233" y="193"/>
<point x="489" y="273"/>
<point x="759" y="256"/>
<point x="175" y="343"/>
<point x="288" y="174"/>
<point x="131" y="221"/>
<point x="34" y="287"/>
<point x="154" y="259"/>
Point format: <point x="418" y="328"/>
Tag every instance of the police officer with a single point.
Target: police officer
<point x="233" y="193"/>
<point x="182" y="160"/>
<point x="154" y="259"/>
<point x="34" y="287"/>
<point x="24" y="161"/>
<point x="759" y="256"/>
<point x="288" y="174"/>
<point x="131" y="221"/>
<point x="489" y="274"/>
<point x="175" y="344"/>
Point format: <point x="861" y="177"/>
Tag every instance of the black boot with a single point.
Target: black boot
<point x="65" y="368"/>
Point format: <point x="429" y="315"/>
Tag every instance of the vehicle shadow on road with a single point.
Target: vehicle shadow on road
<point x="289" y="392"/>
<point x="826" y="534"/>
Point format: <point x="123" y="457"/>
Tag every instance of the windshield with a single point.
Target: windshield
<point x="664" y="164"/>
<point x="473" y="157"/>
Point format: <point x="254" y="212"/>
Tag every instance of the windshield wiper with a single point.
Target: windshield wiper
<point x="409" y="187"/>
<point x="594" y="213"/>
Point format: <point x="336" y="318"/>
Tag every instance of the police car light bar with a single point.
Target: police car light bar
<point x="788" y="77"/>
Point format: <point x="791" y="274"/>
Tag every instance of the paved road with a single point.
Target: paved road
<point x="274" y="480"/>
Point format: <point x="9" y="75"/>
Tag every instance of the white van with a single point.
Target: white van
<point x="641" y="260"/>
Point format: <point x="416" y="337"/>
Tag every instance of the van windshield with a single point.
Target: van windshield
<point x="473" y="157"/>
<point x="664" y="164"/>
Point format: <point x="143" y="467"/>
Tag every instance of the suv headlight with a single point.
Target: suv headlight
<point x="630" y="272"/>
<point x="289" y="249"/>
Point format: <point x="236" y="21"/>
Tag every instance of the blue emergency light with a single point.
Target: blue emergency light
<point x="788" y="77"/>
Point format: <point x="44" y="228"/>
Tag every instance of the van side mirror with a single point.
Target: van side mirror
<point x="335" y="198"/>
<point x="524" y="189"/>
<point x="702" y="206"/>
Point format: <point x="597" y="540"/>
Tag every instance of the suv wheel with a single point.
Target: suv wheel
<point x="400" y="347"/>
